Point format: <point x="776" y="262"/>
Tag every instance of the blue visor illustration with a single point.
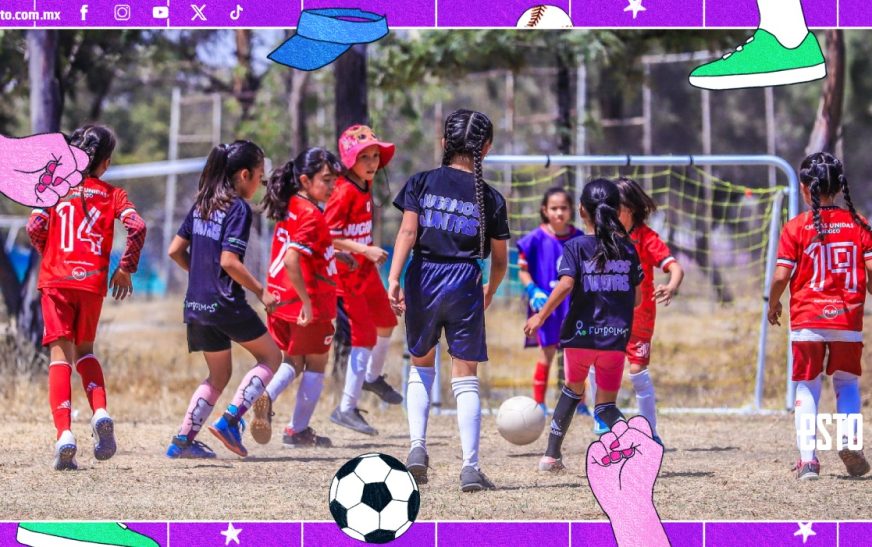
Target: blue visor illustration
<point x="325" y="34"/>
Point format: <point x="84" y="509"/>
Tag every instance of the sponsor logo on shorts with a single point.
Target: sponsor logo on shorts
<point x="642" y="349"/>
<point x="814" y="431"/>
<point x="328" y="340"/>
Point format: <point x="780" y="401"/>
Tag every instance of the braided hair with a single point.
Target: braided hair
<point x="217" y="188"/>
<point x="467" y="133"/>
<point x="98" y="142"/>
<point x="601" y="200"/>
<point x="284" y="182"/>
<point x="824" y="175"/>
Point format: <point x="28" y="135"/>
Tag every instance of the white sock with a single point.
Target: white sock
<point x="591" y="379"/>
<point x="418" y="403"/>
<point x="465" y="391"/>
<point x="808" y="393"/>
<point x="847" y="388"/>
<point x="645" y="397"/>
<point x="280" y="380"/>
<point x="376" y="363"/>
<point x="784" y="20"/>
<point x="354" y="376"/>
<point x="311" y="384"/>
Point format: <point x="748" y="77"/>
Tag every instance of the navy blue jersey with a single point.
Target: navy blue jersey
<point x="448" y="217"/>
<point x="603" y="300"/>
<point x="213" y="297"/>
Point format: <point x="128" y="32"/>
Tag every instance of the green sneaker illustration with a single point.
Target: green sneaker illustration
<point x="80" y="534"/>
<point x="761" y="62"/>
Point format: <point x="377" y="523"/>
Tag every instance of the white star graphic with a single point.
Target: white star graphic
<point x="804" y="530"/>
<point x="232" y="534"/>
<point x="635" y="6"/>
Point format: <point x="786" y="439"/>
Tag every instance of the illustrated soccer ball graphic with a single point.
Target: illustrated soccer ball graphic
<point x="373" y="498"/>
<point x="520" y="420"/>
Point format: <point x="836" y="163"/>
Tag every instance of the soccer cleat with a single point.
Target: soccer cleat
<point x="810" y="470"/>
<point x="228" y="430"/>
<point x="80" y="534"/>
<point x="855" y="462"/>
<point x="599" y="426"/>
<point x="385" y="392"/>
<point x="761" y="62"/>
<point x="103" y="431"/>
<point x="417" y="463"/>
<point x="65" y="452"/>
<point x="304" y="438"/>
<point x="582" y="410"/>
<point x="474" y="480"/>
<point x="182" y="448"/>
<point x="261" y="425"/>
<point x="352" y="420"/>
<point x="551" y="465"/>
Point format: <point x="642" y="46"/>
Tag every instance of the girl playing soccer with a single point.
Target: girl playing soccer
<point x="825" y="255"/>
<point x="210" y="246"/>
<point x="361" y="293"/>
<point x="75" y="239"/>
<point x="538" y="252"/>
<point x="636" y="207"/>
<point x="302" y="276"/>
<point x="451" y="219"/>
<point x="602" y="273"/>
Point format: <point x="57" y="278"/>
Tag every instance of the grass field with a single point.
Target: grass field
<point x="715" y="467"/>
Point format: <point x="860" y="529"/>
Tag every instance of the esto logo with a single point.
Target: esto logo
<point x="79" y="273"/>
<point x="814" y="434"/>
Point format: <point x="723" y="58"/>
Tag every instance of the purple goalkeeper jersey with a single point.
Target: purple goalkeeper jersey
<point x="539" y="251"/>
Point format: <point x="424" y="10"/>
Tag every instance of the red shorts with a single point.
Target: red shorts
<point x="70" y="314"/>
<point x="314" y="338"/>
<point x="639" y="350"/>
<point x="368" y="311"/>
<point x="609" y="366"/>
<point x="808" y="358"/>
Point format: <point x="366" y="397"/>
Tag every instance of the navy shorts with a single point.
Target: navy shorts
<point x="449" y="296"/>
<point x="218" y="337"/>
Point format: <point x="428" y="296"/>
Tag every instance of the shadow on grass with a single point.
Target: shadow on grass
<point x="687" y="475"/>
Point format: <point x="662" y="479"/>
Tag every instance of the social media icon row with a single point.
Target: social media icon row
<point x="122" y="12"/>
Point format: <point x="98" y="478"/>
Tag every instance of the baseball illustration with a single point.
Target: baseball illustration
<point x="545" y="17"/>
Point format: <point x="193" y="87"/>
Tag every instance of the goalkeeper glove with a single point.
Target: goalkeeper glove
<point x="536" y="296"/>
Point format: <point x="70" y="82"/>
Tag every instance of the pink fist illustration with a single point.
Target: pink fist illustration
<point x="621" y="469"/>
<point x="41" y="169"/>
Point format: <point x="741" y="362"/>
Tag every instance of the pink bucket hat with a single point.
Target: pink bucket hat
<point x="356" y="138"/>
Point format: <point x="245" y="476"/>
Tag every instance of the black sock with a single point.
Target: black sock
<point x="608" y="413"/>
<point x="561" y="419"/>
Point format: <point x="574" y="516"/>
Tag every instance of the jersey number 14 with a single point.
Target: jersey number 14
<point x="84" y="232"/>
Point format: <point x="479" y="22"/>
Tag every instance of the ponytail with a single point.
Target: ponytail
<point x="98" y="142"/>
<point x="217" y="187"/>
<point x="286" y="181"/>
<point x="601" y="200"/>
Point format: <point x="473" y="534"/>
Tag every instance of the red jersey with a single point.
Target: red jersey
<point x="77" y="246"/>
<point x="305" y="231"/>
<point x="349" y="216"/>
<point x="828" y="284"/>
<point x="652" y="252"/>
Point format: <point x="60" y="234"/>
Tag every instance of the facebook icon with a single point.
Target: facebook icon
<point x="84" y="11"/>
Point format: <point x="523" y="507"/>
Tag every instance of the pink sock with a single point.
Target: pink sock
<point x="202" y="403"/>
<point x="251" y="388"/>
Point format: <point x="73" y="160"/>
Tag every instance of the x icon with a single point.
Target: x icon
<point x="198" y="12"/>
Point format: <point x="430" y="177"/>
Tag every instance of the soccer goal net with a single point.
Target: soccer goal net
<point x="721" y="217"/>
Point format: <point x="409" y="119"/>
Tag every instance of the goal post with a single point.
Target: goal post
<point x="789" y="192"/>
